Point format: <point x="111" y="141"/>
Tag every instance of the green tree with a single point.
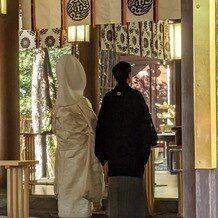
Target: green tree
<point x="26" y="57"/>
<point x="25" y="73"/>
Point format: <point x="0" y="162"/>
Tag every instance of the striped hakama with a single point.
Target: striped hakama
<point x="126" y="198"/>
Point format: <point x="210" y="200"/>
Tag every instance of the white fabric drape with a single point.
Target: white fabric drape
<point x="26" y="14"/>
<point x="134" y="39"/>
<point x="169" y="9"/>
<point x="108" y="12"/>
<point x="146" y="39"/>
<point x="121" y="38"/>
<point x="147" y="35"/>
<point x="48" y="13"/>
<point x="42" y="95"/>
<point x="140" y="37"/>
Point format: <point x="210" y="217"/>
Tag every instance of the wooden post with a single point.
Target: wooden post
<point x="88" y="56"/>
<point x="17" y="189"/>
<point x="9" y="87"/>
<point x="149" y="181"/>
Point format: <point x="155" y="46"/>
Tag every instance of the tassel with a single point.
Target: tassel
<point x="93" y="14"/>
<point x="156" y="12"/>
<point x="33" y="22"/>
<point x="124" y="5"/>
<point x="63" y="23"/>
<point x="140" y="38"/>
<point x="33" y="15"/>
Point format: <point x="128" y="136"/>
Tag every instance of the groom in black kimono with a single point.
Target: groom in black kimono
<point x="124" y="136"/>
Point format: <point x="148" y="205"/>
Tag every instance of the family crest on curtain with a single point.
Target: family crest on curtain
<point x="44" y="23"/>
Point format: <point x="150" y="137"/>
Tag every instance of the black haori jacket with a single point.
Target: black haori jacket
<point x="124" y="132"/>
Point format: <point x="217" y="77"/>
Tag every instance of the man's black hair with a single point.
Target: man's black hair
<point x="121" y="71"/>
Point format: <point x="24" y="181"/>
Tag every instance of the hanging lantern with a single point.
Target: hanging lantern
<point x="3" y="6"/>
<point x="175" y="40"/>
<point x="76" y="34"/>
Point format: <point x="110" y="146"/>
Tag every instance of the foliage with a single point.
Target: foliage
<point x="55" y="53"/>
<point x="25" y="72"/>
<point x="26" y="57"/>
<point x="153" y="86"/>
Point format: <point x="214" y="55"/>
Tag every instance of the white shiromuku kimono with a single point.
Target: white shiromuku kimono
<point x="78" y="173"/>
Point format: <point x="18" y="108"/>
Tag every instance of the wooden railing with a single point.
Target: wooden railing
<point x="28" y="144"/>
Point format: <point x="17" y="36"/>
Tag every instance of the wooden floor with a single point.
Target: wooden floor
<point x="166" y="215"/>
<point x="104" y="216"/>
<point x="166" y="185"/>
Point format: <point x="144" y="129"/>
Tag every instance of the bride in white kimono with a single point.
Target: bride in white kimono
<point x="78" y="174"/>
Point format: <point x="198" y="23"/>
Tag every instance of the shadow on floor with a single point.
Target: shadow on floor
<point x="160" y="215"/>
<point x="104" y="216"/>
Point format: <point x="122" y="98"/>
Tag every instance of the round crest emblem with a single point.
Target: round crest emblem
<point x="139" y="7"/>
<point x="118" y="93"/>
<point x="78" y="9"/>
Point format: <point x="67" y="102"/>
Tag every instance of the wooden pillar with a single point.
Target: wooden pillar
<point x="88" y="56"/>
<point x="205" y="102"/>
<point x="178" y="99"/>
<point x="199" y="115"/>
<point x="205" y="84"/>
<point x="188" y="150"/>
<point x="9" y="86"/>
